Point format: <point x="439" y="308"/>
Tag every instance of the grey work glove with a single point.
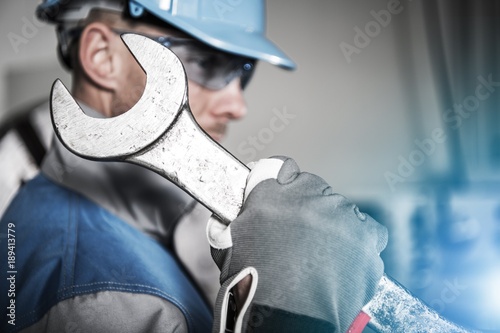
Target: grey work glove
<point x="313" y="257"/>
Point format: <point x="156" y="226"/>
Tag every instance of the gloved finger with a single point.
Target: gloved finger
<point x="366" y="232"/>
<point x="310" y="184"/>
<point x="218" y="234"/>
<point x="370" y="230"/>
<point x="263" y="169"/>
<point x="382" y="234"/>
<point x="289" y="170"/>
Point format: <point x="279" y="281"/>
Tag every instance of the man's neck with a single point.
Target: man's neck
<point x="94" y="97"/>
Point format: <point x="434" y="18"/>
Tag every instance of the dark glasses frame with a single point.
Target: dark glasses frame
<point x="213" y="76"/>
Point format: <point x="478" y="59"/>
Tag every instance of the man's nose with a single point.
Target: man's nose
<point x="233" y="103"/>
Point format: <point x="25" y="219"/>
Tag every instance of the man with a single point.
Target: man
<point x="94" y="241"/>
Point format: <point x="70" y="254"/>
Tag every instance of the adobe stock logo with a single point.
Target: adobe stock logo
<point x="372" y="29"/>
<point x="31" y="27"/>
<point x="448" y="295"/>
<point x="254" y="143"/>
<point x="452" y="117"/>
<point x="29" y="30"/>
<point x="417" y="157"/>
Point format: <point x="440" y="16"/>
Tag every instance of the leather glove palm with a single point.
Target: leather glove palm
<point x="313" y="257"/>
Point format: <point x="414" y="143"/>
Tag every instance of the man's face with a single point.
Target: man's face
<point x="213" y="109"/>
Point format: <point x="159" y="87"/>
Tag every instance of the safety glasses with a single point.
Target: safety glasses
<point x="208" y="67"/>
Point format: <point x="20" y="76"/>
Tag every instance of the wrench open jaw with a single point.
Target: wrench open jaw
<point x="159" y="133"/>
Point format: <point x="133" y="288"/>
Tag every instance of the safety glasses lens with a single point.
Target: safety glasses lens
<point x="211" y="68"/>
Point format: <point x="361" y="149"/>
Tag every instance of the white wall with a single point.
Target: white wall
<point x="349" y="121"/>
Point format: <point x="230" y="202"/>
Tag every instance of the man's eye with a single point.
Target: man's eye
<point x="203" y="62"/>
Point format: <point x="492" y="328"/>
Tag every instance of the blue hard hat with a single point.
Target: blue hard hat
<point x="235" y="26"/>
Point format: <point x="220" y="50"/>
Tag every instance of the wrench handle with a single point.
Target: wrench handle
<point x="187" y="156"/>
<point x="394" y="309"/>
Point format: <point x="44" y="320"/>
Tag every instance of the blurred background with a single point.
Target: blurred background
<point x="394" y="103"/>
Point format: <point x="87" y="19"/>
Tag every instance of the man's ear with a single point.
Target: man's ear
<point x="98" y="55"/>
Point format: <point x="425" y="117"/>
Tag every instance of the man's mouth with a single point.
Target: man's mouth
<point x="218" y="132"/>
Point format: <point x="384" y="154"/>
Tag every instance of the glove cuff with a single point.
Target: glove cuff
<point x="222" y="302"/>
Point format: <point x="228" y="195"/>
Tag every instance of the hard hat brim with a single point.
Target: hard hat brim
<point x="249" y="44"/>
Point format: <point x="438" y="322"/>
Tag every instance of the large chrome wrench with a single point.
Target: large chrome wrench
<point x="160" y="133"/>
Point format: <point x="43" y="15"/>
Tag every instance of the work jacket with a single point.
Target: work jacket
<point x="95" y="252"/>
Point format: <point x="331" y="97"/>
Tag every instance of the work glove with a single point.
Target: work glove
<point x="313" y="257"/>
